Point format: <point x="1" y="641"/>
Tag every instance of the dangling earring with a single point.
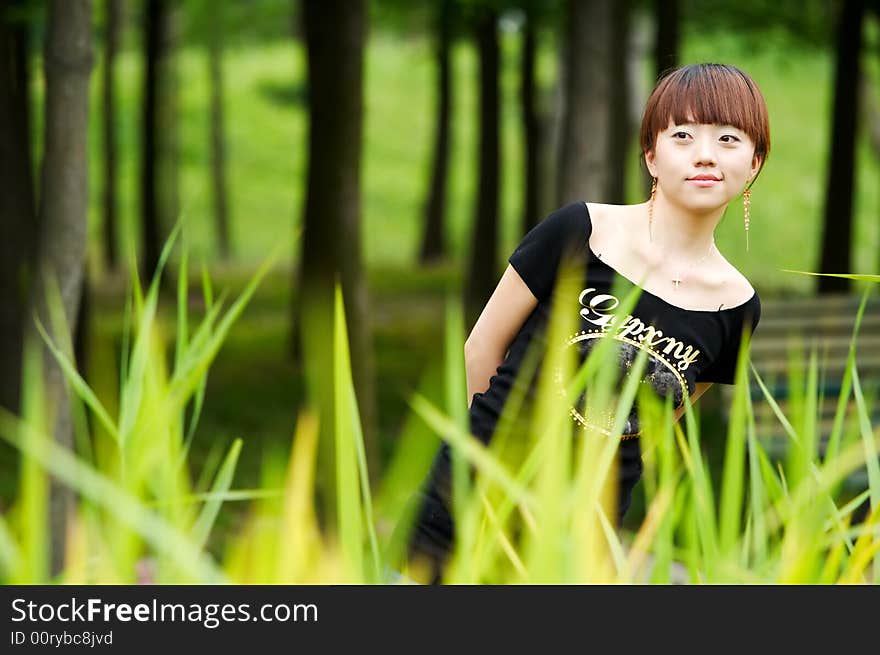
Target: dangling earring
<point x="747" y="202"/>
<point x="651" y="209"/>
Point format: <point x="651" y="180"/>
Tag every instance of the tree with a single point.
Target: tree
<point x="113" y="15"/>
<point x="433" y="242"/>
<point x="63" y="209"/>
<point x="531" y="121"/>
<point x="583" y="171"/>
<point x="667" y="39"/>
<point x="330" y="248"/>
<point x="218" y="145"/>
<point x="666" y="44"/>
<point x="159" y="202"/>
<point x="836" y="253"/>
<point x="18" y="224"/>
<point x="482" y="270"/>
<point x="620" y="129"/>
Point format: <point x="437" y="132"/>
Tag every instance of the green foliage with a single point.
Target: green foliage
<point x="794" y="25"/>
<point x="534" y="506"/>
<point x="266" y="129"/>
<point x="537" y="510"/>
<point x="131" y="476"/>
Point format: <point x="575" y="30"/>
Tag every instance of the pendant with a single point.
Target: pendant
<point x="675" y="283"/>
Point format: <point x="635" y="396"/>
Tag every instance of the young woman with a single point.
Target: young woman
<point x="705" y="137"/>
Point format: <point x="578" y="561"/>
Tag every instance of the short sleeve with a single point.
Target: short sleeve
<point x="723" y="369"/>
<point x="561" y="234"/>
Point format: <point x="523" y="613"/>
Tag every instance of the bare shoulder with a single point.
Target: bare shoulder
<point x="730" y="283"/>
<point x="608" y="220"/>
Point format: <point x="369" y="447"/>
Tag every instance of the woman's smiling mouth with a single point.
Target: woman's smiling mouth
<point x="704" y="180"/>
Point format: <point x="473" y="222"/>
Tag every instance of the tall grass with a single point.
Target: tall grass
<point x="535" y="506"/>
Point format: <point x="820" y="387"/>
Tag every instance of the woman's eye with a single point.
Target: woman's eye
<point x="683" y="135"/>
<point x="730" y="138"/>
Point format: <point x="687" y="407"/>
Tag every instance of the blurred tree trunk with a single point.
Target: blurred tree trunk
<point x="113" y="12"/>
<point x="556" y="116"/>
<point x="666" y="28"/>
<point x="159" y="203"/>
<point x="483" y="274"/>
<point x="532" y="124"/>
<point x="218" y="145"/>
<point x="330" y="248"/>
<point x="620" y="128"/>
<point x="586" y="124"/>
<point x="871" y="112"/>
<point x="836" y="242"/>
<point x="17" y="214"/>
<point x="666" y="44"/>
<point x="63" y="208"/>
<point x="433" y="244"/>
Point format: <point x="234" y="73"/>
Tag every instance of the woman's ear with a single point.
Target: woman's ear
<point x="649" y="162"/>
<point x="757" y="160"/>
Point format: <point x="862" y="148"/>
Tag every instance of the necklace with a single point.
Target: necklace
<point x="677" y="280"/>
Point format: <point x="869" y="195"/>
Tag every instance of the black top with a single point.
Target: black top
<point x="685" y="346"/>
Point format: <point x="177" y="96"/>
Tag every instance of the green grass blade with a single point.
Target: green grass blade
<point x="33" y="509"/>
<point x="207" y="287"/>
<point x="397" y="498"/>
<point x="834" y="439"/>
<point x="757" y="498"/>
<point x="199" y="402"/>
<point x="703" y="516"/>
<point x="10" y="553"/>
<point x="848" y="509"/>
<point x="350" y="520"/>
<point x="133" y="386"/>
<point x="182" y="309"/>
<point x="222" y="483"/>
<point x="97" y="488"/>
<point x="618" y="554"/>
<point x="475" y="452"/>
<point x="124" y="351"/>
<point x="132" y="390"/>
<point x="777" y="411"/>
<point x="231" y="495"/>
<point x="355" y="504"/>
<point x="810" y="425"/>
<point x="194" y="367"/>
<point x="456" y="403"/>
<point x="79" y="385"/>
<point x="850" y="276"/>
<point x="63" y="343"/>
<point x="871" y="463"/>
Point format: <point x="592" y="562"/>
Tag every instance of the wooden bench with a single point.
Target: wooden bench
<point x="790" y="328"/>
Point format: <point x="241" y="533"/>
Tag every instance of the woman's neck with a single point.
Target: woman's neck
<point x="678" y="231"/>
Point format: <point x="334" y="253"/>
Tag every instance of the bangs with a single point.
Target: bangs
<point x="712" y="94"/>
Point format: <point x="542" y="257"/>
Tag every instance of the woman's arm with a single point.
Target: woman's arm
<point x="699" y="390"/>
<point x="486" y="347"/>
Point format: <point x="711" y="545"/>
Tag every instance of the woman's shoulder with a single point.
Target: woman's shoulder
<point x="593" y="213"/>
<point x="606" y="219"/>
<point x="734" y="287"/>
<point x="612" y="230"/>
<point x="569" y="222"/>
<point x="601" y="212"/>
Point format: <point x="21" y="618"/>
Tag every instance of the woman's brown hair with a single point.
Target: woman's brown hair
<point x="708" y="93"/>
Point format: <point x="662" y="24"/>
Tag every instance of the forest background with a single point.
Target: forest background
<point x="402" y="148"/>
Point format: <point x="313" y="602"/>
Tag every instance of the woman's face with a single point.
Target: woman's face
<point x="720" y="154"/>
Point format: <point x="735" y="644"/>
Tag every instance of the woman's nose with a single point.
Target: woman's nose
<point x="705" y="152"/>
